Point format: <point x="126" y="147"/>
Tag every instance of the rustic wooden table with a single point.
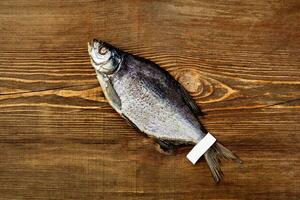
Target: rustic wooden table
<point x="60" y="139"/>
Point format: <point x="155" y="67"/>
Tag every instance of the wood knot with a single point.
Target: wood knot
<point x="202" y="88"/>
<point x="192" y="82"/>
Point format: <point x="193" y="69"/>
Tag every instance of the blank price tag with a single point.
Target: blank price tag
<point x="200" y="148"/>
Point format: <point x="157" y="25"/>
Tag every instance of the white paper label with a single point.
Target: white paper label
<point x="200" y="148"/>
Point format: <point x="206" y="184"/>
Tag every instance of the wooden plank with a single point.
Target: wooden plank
<point x="60" y="139"/>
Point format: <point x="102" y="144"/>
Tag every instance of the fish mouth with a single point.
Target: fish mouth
<point x="89" y="49"/>
<point x="93" y="45"/>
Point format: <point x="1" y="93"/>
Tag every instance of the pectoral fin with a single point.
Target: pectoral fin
<point x="109" y="92"/>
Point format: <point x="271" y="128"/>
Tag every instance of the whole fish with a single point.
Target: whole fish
<point x="152" y="101"/>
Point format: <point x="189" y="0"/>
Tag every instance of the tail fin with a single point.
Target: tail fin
<point x="212" y="157"/>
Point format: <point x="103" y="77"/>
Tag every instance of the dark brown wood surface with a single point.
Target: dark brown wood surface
<point x="60" y="139"/>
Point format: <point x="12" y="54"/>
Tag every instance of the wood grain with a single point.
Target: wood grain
<point x="60" y="139"/>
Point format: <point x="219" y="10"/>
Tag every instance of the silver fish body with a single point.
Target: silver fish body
<point x="151" y="100"/>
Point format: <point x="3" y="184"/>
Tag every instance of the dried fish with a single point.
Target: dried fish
<point x="152" y="101"/>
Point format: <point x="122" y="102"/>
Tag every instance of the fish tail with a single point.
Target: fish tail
<point x="212" y="157"/>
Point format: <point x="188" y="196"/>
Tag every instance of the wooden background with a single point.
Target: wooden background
<point x="60" y="139"/>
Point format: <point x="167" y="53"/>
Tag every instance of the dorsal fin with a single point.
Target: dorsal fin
<point x="189" y="101"/>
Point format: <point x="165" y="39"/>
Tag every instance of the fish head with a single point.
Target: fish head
<point x="104" y="57"/>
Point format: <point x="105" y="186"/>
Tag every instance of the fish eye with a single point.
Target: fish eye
<point x="103" y="51"/>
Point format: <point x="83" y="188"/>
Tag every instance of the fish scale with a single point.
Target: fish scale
<point x="154" y="115"/>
